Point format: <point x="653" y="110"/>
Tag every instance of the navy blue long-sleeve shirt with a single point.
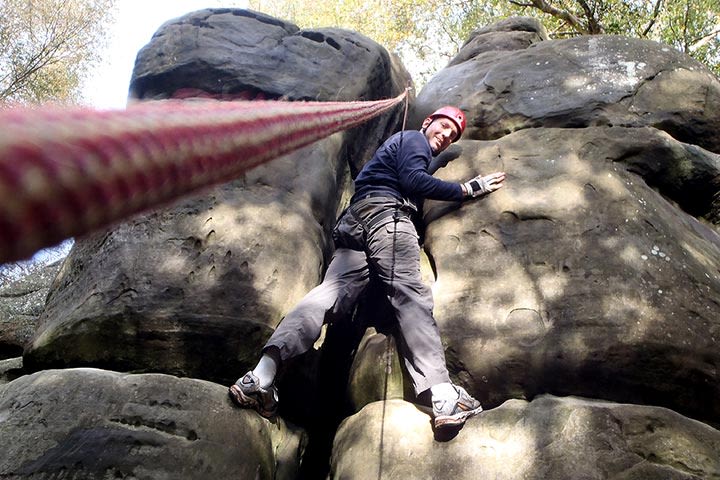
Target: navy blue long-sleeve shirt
<point x="400" y="169"/>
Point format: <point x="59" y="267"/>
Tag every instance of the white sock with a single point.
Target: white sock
<point x="265" y="370"/>
<point x="444" y="391"/>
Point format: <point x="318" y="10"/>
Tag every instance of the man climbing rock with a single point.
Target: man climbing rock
<point x="376" y="235"/>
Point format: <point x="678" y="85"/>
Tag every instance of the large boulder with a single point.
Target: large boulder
<point x="514" y="33"/>
<point x="376" y="371"/>
<point x="235" y="53"/>
<point x="550" y="437"/>
<point x="89" y="424"/>
<point x="593" y="272"/>
<point x="578" y="278"/>
<point x="582" y="276"/>
<point x="580" y="82"/>
<point x="196" y="289"/>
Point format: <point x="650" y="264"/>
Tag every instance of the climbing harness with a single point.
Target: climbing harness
<point x="67" y="172"/>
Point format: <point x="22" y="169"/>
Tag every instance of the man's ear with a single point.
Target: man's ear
<point x="426" y="123"/>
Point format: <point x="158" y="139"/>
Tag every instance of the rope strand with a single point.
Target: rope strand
<point x="67" y="172"/>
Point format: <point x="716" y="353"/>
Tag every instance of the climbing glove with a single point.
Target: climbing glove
<point x="483" y="184"/>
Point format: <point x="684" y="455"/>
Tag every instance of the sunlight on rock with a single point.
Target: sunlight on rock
<point x="631" y="255"/>
<point x="220" y="219"/>
<point x="515" y="289"/>
<point x="611" y="184"/>
<point x="235" y="238"/>
<point x="174" y="264"/>
<point x="409" y="425"/>
<point x="611" y="69"/>
<point x="514" y="453"/>
<point x="523" y="325"/>
<point x="632" y="306"/>
<point x="700" y="257"/>
<point x="557" y="195"/>
<point x="552" y="285"/>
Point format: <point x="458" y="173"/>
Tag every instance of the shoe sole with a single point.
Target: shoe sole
<point x="457" y="419"/>
<point x="244" y="401"/>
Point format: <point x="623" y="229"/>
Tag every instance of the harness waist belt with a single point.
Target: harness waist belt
<point x="374" y="194"/>
<point x="374" y="220"/>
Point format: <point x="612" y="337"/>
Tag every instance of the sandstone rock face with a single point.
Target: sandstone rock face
<point x="586" y="81"/>
<point x="238" y="53"/>
<point x="196" y="289"/>
<point x="21" y="304"/>
<point x="233" y="51"/>
<point x="515" y="33"/>
<point x="583" y="280"/>
<point x="592" y="273"/>
<point x="596" y="262"/>
<point x="91" y="424"/>
<point x="550" y="437"/>
<point x="376" y="353"/>
<point x="10" y="369"/>
<point x="591" y="235"/>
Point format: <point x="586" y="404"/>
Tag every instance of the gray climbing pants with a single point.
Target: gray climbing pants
<point x="371" y="235"/>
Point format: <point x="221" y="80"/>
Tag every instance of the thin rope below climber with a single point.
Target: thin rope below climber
<point x="67" y="172"/>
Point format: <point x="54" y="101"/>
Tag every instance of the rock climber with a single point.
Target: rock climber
<point x="376" y="234"/>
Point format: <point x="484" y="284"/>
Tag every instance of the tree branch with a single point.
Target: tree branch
<point x="564" y="15"/>
<point x="653" y="19"/>
<point x="593" y="25"/>
<point x="45" y="45"/>
<point x="686" y="23"/>
<point x="521" y="4"/>
<point x="699" y="42"/>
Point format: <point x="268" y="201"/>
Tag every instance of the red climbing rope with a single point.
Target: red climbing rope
<point x="67" y="172"/>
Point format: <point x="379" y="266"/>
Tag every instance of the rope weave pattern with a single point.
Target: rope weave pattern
<point x="67" y="172"/>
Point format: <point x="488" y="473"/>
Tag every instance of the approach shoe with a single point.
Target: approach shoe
<point x="248" y="393"/>
<point x="454" y="412"/>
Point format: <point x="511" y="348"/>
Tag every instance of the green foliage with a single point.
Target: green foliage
<point x="46" y="46"/>
<point x="428" y="33"/>
<point x="691" y="26"/>
<point x="385" y="21"/>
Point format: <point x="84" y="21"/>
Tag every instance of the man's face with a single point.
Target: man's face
<point x="440" y="132"/>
